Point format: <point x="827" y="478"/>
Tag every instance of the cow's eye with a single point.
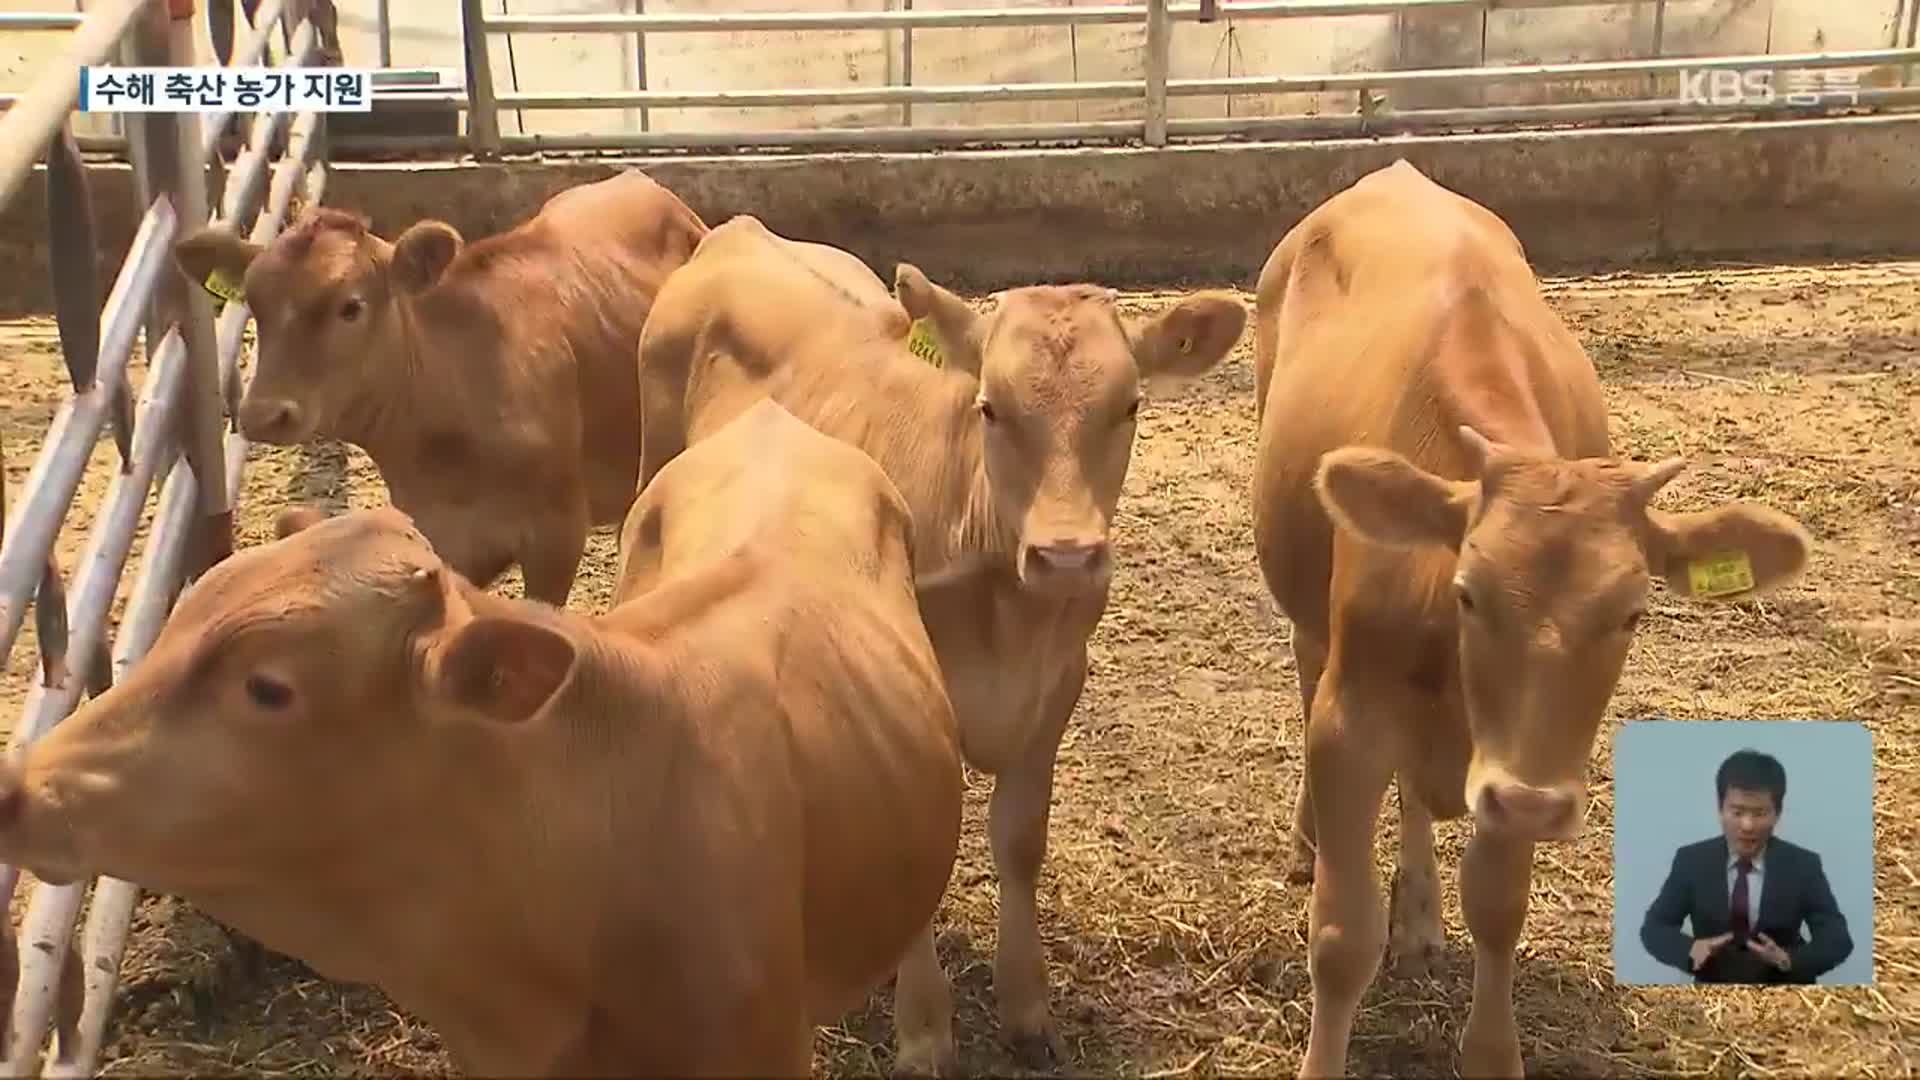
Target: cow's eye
<point x="351" y="308"/>
<point x="986" y="410"/>
<point x="268" y="692"/>
<point x="1464" y="595"/>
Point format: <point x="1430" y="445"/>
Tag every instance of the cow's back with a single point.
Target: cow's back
<point x="610" y="246"/>
<point x="754" y="315"/>
<point x="1388" y="316"/>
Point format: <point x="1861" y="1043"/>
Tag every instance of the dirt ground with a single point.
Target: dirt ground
<point x="1176" y="947"/>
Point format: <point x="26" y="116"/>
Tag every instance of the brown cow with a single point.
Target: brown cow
<point x="1463" y="627"/>
<point x="492" y="383"/>
<point x="1012" y="459"/>
<point x="664" y="841"/>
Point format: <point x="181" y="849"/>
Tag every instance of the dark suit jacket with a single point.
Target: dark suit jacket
<point x="1793" y="890"/>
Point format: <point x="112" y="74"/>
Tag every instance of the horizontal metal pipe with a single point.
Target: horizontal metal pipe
<point x="1529" y="73"/>
<point x="863" y="95"/>
<point x="69" y="442"/>
<point x="1434" y="120"/>
<point x="979" y="17"/>
<point x="48" y="926"/>
<point x="39" y="112"/>
<point x="41" y="20"/>
<point x="873" y="136"/>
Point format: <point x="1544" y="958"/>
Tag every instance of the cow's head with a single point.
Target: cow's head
<point x="1060" y="380"/>
<point x="299" y="710"/>
<point x="1551" y="563"/>
<point x="325" y="297"/>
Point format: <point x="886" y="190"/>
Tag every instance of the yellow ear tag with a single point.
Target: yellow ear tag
<point x="920" y="341"/>
<point x="219" y="284"/>
<point x="1721" y="574"/>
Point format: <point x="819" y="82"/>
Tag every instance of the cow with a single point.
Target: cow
<point x="663" y="841"/>
<point x="492" y="383"/>
<point x="1011" y="453"/>
<point x="1439" y="514"/>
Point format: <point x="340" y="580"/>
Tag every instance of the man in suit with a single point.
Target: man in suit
<point x="1747" y="892"/>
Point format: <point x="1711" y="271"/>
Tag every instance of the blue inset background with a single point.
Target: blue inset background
<point x="1663" y="797"/>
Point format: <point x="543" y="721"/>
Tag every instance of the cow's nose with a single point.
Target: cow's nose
<point x="1524" y="810"/>
<point x="269" y="421"/>
<point x="1063" y="557"/>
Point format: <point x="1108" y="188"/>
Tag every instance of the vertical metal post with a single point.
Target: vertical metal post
<point x="1159" y="45"/>
<point x="629" y="67"/>
<point x="640" y="62"/>
<point x="202" y="427"/>
<point x="906" y="65"/>
<point x="1659" y="42"/>
<point x="483" y="118"/>
<point x="383" y="25"/>
<point x="1913" y="34"/>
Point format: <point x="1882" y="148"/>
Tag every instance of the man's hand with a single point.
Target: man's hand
<point x="1771" y="953"/>
<point x="1705" y="947"/>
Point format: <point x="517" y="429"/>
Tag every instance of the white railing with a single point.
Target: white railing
<point x="178" y="431"/>
<point x="483" y="102"/>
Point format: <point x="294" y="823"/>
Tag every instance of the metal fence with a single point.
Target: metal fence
<point x="1874" y="68"/>
<point x="178" y="431"/>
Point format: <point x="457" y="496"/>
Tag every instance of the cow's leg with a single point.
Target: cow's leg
<point x="923" y="1013"/>
<point x="1349" y="769"/>
<point x="1017" y="829"/>
<point x="1494" y="878"/>
<point x="1415" y="935"/>
<point x="1309" y="657"/>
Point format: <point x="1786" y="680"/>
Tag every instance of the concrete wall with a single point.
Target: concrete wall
<point x="1192" y="214"/>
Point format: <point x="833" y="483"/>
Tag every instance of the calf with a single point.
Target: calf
<point x="492" y="383"/>
<point x="665" y="841"/>
<point x="1011" y="457"/>
<point x="1437" y="513"/>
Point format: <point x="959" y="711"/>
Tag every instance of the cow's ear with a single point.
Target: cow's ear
<point x="504" y="667"/>
<point x="1729" y="552"/>
<point x="952" y="326"/>
<point x="215" y="257"/>
<point x="1190" y="337"/>
<point x="1378" y="495"/>
<point x="423" y="253"/>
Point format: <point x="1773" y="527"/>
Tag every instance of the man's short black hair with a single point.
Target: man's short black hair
<point x="1751" y="770"/>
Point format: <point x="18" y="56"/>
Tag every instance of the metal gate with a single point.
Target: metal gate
<point x="178" y="430"/>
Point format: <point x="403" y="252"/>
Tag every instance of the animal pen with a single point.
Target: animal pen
<point x="179" y="433"/>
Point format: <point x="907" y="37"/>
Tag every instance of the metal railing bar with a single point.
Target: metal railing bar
<point x="39" y="112"/>
<point x="979" y="17"/>
<point x="48" y="925"/>
<point x="985" y="93"/>
<point x="1526" y="73"/>
<point x="69" y="442"/>
<point x="1437" y="121"/>
<point x="41" y="20"/>
<point x="1425" y="120"/>
<point x="872" y="136"/>
<point x="110" y="916"/>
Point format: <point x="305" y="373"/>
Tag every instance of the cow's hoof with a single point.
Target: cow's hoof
<point x="931" y="1059"/>
<point x="1038" y="1051"/>
<point x="1414" y="959"/>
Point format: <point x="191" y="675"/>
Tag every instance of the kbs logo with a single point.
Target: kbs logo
<point x="1734" y="87"/>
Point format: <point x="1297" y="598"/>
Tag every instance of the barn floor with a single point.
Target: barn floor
<point x="1176" y="947"/>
